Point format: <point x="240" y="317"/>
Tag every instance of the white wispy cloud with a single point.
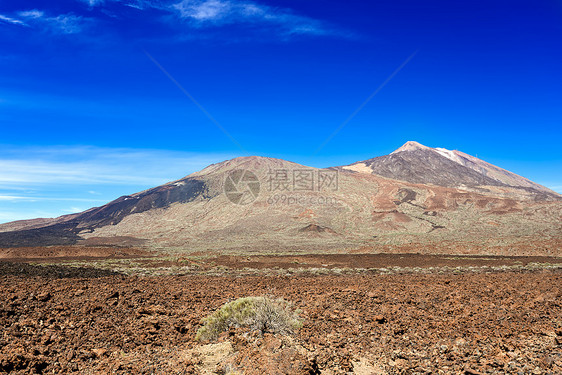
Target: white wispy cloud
<point x="210" y="10"/>
<point x="93" y="3"/>
<point x="7" y="216"/>
<point x="22" y="198"/>
<point x="30" y="166"/>
<point x="67" y="23"/>
<point x="61" y="24"/>
<point x="74" y="210"/>
<point x="138" y="4"/>
<point x="214" y="13"/>
<point x="12" y="20"/>
<point x="192" y="14"/>
<point x="10" y="198"/>
<point x="44" y="181"/>
<point x="32" y="13"/>
<point x="204" y="13"/>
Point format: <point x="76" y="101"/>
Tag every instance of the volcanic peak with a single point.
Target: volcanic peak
<point x="411" y="146"/>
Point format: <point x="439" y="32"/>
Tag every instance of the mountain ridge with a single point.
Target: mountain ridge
<point x="414" y="162"/>
<point x="363" y="209"/>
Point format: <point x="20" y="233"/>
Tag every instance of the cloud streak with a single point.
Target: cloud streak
<point x="11" y="20"/>
<point x="93" y="3"/>
<point x="90" y="165"/>
<point x="182" y="15"/>
<point x="7" y="216"/>
<point x="14" y="198"/>
<point x="216" y="13"/>
<point x="44" y="181"/>
<point x="61" y="24"/>
<point x="207" y="13"/>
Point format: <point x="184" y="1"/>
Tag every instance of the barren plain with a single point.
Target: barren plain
<point x="363" y="313"/>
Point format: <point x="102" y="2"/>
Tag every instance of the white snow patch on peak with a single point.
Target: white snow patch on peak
<point x="447" y="153"/>
<point x="411" y="146"/>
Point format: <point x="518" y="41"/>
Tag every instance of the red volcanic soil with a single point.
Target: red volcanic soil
<point x="54" y="253"/>
<point x="56" y="320"/>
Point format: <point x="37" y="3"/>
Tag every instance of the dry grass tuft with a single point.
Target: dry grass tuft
<point x="262" y="314"/>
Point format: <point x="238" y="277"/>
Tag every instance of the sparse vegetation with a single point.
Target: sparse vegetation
<point x="262" y="314"/>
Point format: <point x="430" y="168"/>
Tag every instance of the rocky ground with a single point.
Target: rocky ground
<point x="61" y="320"/>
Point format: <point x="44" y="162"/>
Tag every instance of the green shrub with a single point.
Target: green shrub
<point x="261" y="314"/>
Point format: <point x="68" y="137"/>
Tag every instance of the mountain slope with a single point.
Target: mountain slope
<point x="416" y="163"/>
<point x="257" y="204"/>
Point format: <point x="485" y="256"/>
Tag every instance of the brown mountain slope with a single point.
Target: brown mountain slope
<point x="256" y="204"/>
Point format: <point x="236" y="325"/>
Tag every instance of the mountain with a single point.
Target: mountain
<point x="414" y="162"/>
<point x="256" y="204"/>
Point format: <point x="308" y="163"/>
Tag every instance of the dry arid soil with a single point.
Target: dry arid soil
<point x="56" y="319"/>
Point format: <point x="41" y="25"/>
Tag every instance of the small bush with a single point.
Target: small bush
<point x="261" y="314"/>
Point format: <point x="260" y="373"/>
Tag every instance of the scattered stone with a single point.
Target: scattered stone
<point x="100" y="352"/>
<point x="470" y="371"/>
<point x="44" y="297"/>
<point x="113" y="295"/>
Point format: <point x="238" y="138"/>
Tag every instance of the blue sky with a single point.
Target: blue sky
<point x="87" y="114"/>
